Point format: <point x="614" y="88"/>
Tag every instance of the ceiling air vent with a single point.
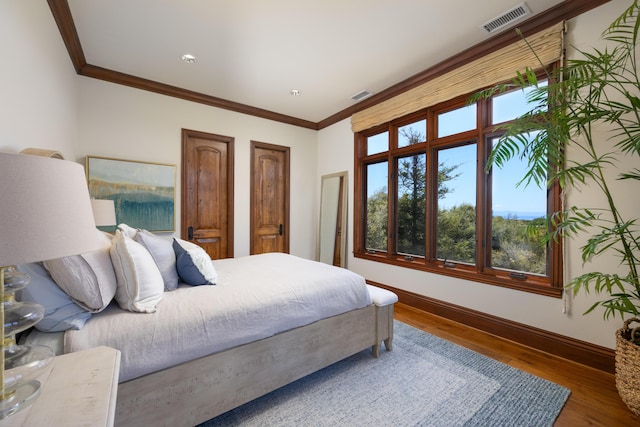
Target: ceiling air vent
<point x="361" y="95"/>
<point x="506" y="18"/>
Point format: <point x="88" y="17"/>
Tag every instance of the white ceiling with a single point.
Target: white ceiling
<point x="255" y="52"/>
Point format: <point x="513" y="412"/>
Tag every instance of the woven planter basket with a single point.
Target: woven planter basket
<point x="628" y="367"/>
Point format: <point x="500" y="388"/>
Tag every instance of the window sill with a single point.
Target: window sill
<point x="466" y="274"/>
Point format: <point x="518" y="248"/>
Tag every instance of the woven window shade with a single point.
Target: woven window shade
<point x="496" y="67"/>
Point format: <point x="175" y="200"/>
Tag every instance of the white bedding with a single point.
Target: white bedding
<point x="255" y="297"/>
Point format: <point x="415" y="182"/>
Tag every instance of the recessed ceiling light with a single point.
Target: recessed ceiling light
<point x="295" y="92"/>
<point x="189" y="59"/>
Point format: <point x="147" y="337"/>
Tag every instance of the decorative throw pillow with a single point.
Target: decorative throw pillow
<point x="60" y="312"/>
<point x="194" y="264"/>
<point x="140" y="286"/>
<point x="88" y="278"/>
<point x="162" y="253"/>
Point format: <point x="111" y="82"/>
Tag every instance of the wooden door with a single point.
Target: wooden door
<point x="207" y="192"/>
<point x="269" y="198"/>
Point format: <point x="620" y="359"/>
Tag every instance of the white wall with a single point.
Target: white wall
<point x="121" y="122"/>
<point x="335" y="152"/>
<point x="38" y="85"/>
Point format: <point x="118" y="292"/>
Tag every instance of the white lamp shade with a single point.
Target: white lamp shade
<point x="104" y="212"/>
<point x="45" y="209"/>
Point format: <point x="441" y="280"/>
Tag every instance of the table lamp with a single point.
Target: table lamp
<point x="104" y="212"/>
<point x="45" y="213"/>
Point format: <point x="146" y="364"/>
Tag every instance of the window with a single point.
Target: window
<point x="507" y="106"/>
<point x="457" y="120"/>
<point x="377" y="206"/>
<point x="428" y="203"/>
<point x="513" y="208"/>
<point x="378" y="143"/>
<point x="456" y="215"/>
<point x="412" y="133"/>
<point x="411" y="191"/>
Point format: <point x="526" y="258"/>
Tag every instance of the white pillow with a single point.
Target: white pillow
<point x="88" y="278"/>
<point x="194" y="264"/>
<point x="140" y="285"/>
<point x="162" y="253"/>
<point x="129" y="231"/>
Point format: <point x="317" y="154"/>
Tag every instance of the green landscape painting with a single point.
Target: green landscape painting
<point x="143" y="193"/>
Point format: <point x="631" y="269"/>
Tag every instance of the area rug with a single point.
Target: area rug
<point x="424" y="381"/>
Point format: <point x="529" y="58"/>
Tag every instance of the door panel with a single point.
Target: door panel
<point x="269" y="198"/>
<point x="207" y="192"/>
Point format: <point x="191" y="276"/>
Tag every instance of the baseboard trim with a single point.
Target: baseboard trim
<point x="588" y="354"/>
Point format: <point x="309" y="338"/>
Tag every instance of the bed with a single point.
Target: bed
<point x="267" y="321"/>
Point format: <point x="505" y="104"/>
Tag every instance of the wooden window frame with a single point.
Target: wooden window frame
<point x="550" y="285"/>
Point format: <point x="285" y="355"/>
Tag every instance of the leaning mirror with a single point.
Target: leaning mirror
<point x="332" y="236"/>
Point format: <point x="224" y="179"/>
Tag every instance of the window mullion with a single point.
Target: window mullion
<point x="483" y="207"/>
<point x="392" y="228"/>
<point x="431" y="190"/>
<point x="393" y="196"/>
<point x="431" y="208"/>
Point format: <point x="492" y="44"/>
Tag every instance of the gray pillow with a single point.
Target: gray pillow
<point x="60" y="312"/>
<point x="163" y="255"/>
<point x="89" y="278"/>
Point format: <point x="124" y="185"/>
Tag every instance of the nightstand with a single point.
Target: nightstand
<point x="80" y="391"/>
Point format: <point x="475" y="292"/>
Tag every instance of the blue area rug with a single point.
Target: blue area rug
<point x="424" y="381"/>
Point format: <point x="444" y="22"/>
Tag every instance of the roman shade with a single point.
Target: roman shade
<point x="498" y="66"/>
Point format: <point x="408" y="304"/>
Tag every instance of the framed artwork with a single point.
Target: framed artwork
<point x="144" y="193"/>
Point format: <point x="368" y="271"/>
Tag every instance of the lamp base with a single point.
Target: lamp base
<point x="19" y="398"/>
<point x="25" y="363"/>
<point x="19" y="365"/>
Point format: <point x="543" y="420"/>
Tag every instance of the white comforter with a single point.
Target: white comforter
<point x="255" y="297"/>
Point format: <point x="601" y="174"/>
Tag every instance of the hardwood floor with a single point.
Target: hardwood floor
<point x="594" y="400"/>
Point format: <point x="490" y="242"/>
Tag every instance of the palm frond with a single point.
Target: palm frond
<point x="625" y="28"/>
<point x="635" y="174"/>
<point x="621" y="290"/>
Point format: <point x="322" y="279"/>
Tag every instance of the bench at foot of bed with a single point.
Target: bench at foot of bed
<point x="383" y="300"/>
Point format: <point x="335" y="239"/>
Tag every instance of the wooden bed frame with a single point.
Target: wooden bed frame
<point x="196" y="391"/>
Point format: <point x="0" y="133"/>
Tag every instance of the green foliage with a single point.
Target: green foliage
<point x="518" y="245"/>
<point x="601" y="90"/>
<point x="411" y="224"/>
<point x="377" y="221"/>
<point x="457" y="234"/>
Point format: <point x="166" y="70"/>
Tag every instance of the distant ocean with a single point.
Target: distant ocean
<point x="520" y="215"/>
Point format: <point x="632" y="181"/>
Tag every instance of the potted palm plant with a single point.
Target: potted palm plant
<point x="590" y="107"/>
